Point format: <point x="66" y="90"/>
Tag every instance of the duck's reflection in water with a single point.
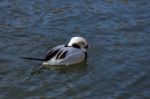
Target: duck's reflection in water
<point x="59" y="69"/>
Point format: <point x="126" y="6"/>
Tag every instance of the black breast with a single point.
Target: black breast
<point x="85" y="56"/>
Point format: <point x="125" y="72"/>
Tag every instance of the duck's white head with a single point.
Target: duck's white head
<point x="78" y="42"/>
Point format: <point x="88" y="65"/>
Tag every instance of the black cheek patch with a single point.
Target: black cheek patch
<point x="76" y="46"/>
<point x="86" y="46"/>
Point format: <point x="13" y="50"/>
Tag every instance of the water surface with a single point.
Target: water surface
<point x="117" y="65"/>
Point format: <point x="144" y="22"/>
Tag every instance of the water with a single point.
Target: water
<point x="118" y="63"/>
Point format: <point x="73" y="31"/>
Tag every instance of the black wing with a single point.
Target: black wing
<point x="61" y="55"/>
<point x="51" y="54"/>
<point x="58" y="51"/>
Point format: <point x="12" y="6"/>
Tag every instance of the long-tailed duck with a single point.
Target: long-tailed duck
<point x="72" y="53"/>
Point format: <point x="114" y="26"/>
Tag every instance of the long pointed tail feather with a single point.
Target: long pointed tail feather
<point x="30" y="58"/>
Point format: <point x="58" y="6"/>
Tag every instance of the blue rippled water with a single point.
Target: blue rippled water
<point x="118" y="64"/>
